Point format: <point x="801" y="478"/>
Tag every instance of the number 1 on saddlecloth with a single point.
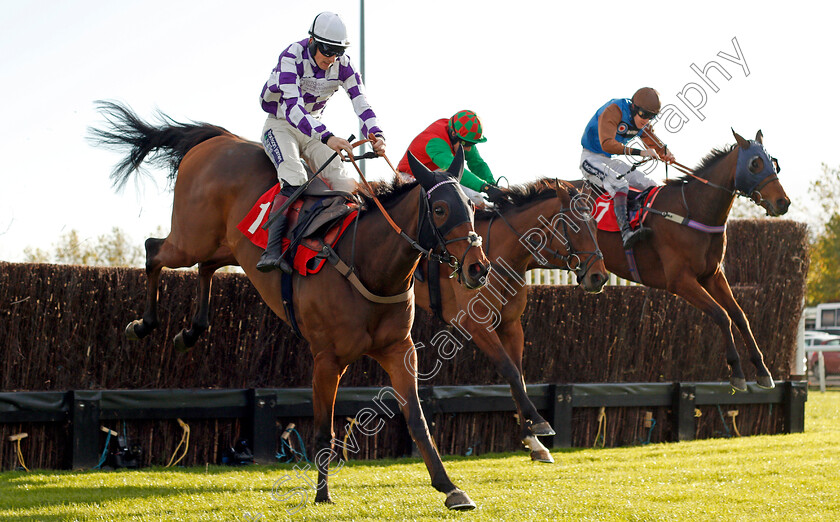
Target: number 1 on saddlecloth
<point x="263" y="209"/>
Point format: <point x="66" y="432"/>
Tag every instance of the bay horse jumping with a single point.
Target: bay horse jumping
<point x="686" y="248"/>
<point x="540" y="225"/>
<point x="219" y="176"/>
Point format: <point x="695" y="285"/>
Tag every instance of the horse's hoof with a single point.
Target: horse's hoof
<point x="459" y="501"/>
<point x="766" y="382"/>
<point x="542" y="429"/>
<point x="324" y="500"/>
<point x="180" y="343"/>
<point x="542" y="456"/>
<point x="738" y="384"/>
<point x="130" y="333"/>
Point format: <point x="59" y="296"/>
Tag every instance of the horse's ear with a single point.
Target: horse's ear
<point x="744" y="144"/>
<point x="759" y="137"/>
<point x="418" y="170"/>
<point x="456" y="168"/>
<point x="561" y="186"/>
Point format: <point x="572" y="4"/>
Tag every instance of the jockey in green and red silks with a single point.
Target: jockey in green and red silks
<point x="435" y="148"/>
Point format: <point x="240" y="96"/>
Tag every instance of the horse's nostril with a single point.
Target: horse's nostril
<point x="477" y="270"/>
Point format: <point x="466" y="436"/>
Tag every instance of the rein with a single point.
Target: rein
<point x="567" y="258"/>
<point x="349" y="271"/>
<point x="473" y="239"/>
<point x="755" y="195"/>
<point x="685" y="170"/>
<point x="734" y="192"/>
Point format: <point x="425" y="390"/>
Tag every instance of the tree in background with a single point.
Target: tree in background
<point x="824" y="271"/>
<point x="113" y="249"/>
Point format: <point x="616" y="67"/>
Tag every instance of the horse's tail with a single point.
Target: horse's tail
<point x="167" y="142"/>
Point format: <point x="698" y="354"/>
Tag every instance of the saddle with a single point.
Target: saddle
<point x="320" y="216"/>
<point x="638" y="203"/>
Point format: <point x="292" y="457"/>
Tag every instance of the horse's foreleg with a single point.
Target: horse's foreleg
<point x="186" y="339"/>
<point x="718" y="287"/>
<point x="513" y="340"/>
<point x="394" y="361"/>
<point x="687" y="287"/>
<point x="325" y="379"/>
<point x="490" y="343"/>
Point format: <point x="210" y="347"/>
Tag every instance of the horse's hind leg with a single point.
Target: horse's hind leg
<point x="718" y="287"/>
<point x="395" y="361"/>
<point x="159" y="253"/>
<point x="140" y="328"/>
<point x="186" y="339"/>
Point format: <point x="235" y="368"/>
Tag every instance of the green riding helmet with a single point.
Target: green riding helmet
<point x="467" y="126"/>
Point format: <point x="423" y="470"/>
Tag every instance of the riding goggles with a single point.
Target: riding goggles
<point x="330" y="50"/>
<point x="646" y="115"/>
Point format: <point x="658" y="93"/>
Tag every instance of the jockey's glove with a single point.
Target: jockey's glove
<point x="493" y="192"/>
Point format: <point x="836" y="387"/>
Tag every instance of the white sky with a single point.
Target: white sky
<point x="534" y="71"/>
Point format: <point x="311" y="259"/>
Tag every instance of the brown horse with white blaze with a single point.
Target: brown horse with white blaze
<point x="218" y="178"/>
<point x="685" y="251"/>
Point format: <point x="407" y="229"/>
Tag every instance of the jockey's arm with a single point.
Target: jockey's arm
<point x="607" y="129"/>
<point x="652" y="141"/>
<point x="441" y="155"/>
<point x="478" y="166"/>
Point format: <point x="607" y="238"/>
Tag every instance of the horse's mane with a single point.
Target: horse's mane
<point x="520" y="195"/>
<point x="706" y="164"/>
<point x="388" y="192"/>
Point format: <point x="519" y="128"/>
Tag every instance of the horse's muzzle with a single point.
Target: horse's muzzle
<point x="782" y="205"/>
<point x="776" y="208"/>
<point x="476" y="275"/>
<point x="593" y="281"/>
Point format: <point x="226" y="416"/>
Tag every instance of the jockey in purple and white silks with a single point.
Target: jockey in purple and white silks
<point x="307" y="74"/>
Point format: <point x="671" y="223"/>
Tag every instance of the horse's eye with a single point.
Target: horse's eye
<point x="440" y="211"/>
<point x="755" y="165"/>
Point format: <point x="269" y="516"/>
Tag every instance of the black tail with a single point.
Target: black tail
<point x="167" y="142"/>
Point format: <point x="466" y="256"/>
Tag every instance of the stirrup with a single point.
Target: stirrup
<point x="284" y="265"/>
<point x="634" y="237"/>
<point x="266" y="264"/>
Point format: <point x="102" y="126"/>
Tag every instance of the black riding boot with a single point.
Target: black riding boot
<point x="272" y="258"/>
<point x="628" y="237"/>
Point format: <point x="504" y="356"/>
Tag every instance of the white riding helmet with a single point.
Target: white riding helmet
<point x="328" y="28"/>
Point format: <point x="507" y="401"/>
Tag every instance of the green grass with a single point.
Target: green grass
<point x="776" y="477"/>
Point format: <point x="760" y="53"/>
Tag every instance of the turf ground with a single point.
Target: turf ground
<point x="775" y="477"/>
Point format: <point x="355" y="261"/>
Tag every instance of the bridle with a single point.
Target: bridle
<point x="426" y="226"/>
<point x="573" y="259"/>
<point x="743" y="175"/>
<point x="436" y="248"/>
